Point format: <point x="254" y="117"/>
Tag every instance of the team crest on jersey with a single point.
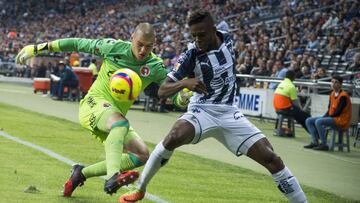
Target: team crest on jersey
<point x="145" y="71"/>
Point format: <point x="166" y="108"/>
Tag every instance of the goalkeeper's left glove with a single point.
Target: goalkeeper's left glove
<point x="33" y="50"/>
<point x="182" y="98"/>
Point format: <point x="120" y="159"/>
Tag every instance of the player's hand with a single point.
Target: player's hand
<point x="184" y="96"/>
<point x="182" y="99"/>
<point x="25" y="53"/>
<point x="196" y="85"/>
<point x="30" y="51"/>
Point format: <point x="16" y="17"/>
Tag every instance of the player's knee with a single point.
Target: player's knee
<point x="173" y="140"/>
<point x="273" y="162"/>
<point x="116" y="120"/>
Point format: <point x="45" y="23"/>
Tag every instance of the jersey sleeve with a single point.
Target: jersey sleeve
<point x="292" y="93"/>
<point x="184" y="66"/>
<point x="99" y="47"/>
<point x="160" y="76"/>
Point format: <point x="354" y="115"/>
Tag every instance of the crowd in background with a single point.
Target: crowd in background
<point x="313" y="37"/>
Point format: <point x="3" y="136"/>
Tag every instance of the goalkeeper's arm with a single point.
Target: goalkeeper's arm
<point x="61" y="45"/>
<point x="33" y="50"/>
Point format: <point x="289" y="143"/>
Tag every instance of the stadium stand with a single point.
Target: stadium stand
<point x="312" y="33"/>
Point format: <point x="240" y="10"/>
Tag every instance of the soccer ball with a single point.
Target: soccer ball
<point x="125" y="85"/>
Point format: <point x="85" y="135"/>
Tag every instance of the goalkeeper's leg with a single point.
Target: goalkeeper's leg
<point x="125" y="150"/>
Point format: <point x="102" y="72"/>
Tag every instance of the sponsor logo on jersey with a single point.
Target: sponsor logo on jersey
<point x="145" y="71"/>
<point x="92" y="120"/>
<point x="106" y="105"/>
<point x="91" y="102"/>
<point x="237" y="115"/>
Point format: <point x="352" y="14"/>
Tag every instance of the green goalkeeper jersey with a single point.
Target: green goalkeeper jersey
<point x="117" y="54"/>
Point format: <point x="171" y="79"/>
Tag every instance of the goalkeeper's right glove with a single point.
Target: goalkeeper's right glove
<point x="33" y="50"/>
<point x="182" y="98"/>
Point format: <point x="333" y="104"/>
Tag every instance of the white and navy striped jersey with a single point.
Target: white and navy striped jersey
<point x="215" y="68"/>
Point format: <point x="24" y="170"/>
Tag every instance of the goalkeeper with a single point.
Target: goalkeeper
<point x="103" y="115"/>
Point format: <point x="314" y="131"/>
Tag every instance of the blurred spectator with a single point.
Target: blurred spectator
<point x="355" y="67"/>
<point x="320" y="73"/>
<point x="332" y="21"/>
<point x="279" y="71"/>
<point x="153" y="99"/>
<point x="168" y="65"/>
<point x="41" y="71"/>
<point x="245" y="67"/>
<point x="296" y="68"/>
<point x="313" y="42"/>
<point x="311" y="64"/>
<point x="67" y="79"/>
<point x="305" y="73"/>
<point x="261" y="70"/>
<point x="223" y="26"/>
<point x="332" y="47"/>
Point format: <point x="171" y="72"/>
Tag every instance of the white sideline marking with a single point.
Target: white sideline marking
<point x="48" y="152"/>
<point x="14" y="91"/>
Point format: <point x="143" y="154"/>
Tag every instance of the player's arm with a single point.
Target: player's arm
<point x="182" y="77"/>
<point x="171" y="87"/>
<point x="97" y="47"/>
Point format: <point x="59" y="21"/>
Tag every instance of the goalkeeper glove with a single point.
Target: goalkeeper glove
<point x="33" y="50"/>
<point x="182" y="98"/>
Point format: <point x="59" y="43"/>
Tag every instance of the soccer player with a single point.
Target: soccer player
<point x="210" y="71"/>
<point x="101" y="113"/>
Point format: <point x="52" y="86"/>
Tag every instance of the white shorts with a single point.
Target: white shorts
<point x="224" y="123"/>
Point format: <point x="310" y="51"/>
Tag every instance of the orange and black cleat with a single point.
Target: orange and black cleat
<point x="132" y="196"/>
<point x="120" y="179"/>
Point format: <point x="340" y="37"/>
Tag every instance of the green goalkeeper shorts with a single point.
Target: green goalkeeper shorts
<point x="90" y="112"/>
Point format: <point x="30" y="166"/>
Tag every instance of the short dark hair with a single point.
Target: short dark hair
<point x="290" y="74"/>
<point x="198" y="16"/>
<point x="338" y="78"/>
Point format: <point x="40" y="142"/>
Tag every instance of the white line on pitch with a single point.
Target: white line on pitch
<point x="64" y="159"/>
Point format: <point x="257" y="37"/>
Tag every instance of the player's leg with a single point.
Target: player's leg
<point x="89" y="113"/>
<point x="182" y="132"/>
<point x="110" y="127"/>
<point x="262" y="152"/>
<point x="114" y="145"/>
<point x="136" y="155"/>
<point x="137" y="152"/>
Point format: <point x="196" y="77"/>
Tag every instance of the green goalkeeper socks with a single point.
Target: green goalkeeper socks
<point x="98" y="169"/>
<point x="128" y="161"/>
<point x="114" y="145"/>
